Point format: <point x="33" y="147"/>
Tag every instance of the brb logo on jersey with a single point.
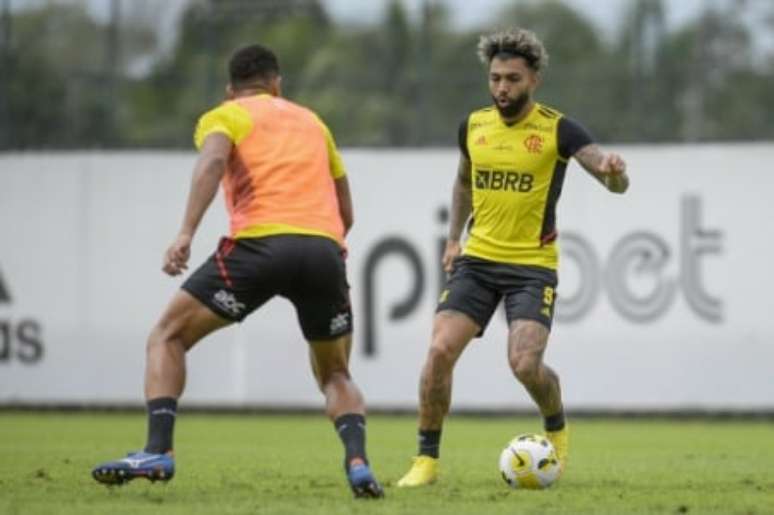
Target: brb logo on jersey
<point x="503" y="180"/>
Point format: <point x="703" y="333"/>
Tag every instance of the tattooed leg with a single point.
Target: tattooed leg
<point x="527" y="342"/>
<point x="451" y="333"/>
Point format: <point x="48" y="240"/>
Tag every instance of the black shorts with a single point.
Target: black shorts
<point x="477" y="285"/>
<point x="307" y="270"/>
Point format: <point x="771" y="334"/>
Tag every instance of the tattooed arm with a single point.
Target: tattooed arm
<point x="609" y="169"/>
<point x="462" y="204"/>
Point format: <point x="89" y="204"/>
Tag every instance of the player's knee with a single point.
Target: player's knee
<point x="166" y="332"/>
<point x="155" y="339"/>
<point x="335" y="376"/>
<point x="529" y="332"/>
<point x="525" y="366"/>
<point x="441" y="353"/>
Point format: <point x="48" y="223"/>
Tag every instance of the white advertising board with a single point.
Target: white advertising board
<point x="663" y="298"/>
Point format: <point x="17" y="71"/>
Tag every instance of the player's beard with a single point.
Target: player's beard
<point x="513" y="107"/>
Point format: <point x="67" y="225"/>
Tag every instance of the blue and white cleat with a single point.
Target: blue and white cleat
<point x="364" y="484"/>
<point x="154" y="467"/>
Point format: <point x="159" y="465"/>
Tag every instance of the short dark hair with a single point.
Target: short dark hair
<point x="253" y="63"/>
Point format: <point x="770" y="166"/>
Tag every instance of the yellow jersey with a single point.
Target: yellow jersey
<point x="517" y="172"/>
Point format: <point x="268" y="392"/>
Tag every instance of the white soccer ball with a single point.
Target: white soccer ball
<point x="529" y="461"/>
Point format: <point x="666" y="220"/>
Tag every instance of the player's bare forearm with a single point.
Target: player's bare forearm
<point x="608" y="168"/>
<point x="204" y="186"/>
<point x="208" y="172"/>
<point x="345" y="203"/>
<point x="462" y="200"/>
<point x="207" y="175"/>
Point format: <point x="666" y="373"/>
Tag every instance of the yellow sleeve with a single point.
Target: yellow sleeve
<point x="334" y="158"/>
<point x="229" y="118"/>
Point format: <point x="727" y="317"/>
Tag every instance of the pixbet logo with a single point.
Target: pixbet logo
<point x="638" y="253"/>
<point x="20" y="339"/>
<point x="644" y="254"/>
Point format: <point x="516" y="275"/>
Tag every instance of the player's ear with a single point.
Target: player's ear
<point x="537" y="79"/>
<point x="275" y="86"/>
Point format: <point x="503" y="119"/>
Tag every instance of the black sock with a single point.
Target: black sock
<point x="351" y="430"/>
<point x="161" y="424"/>
<point x="429" y="443"/>
<point x="554" y="422"/>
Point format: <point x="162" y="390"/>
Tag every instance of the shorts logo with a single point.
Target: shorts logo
<point x="339" y="323"/>
<point x="228" y="302"/>
<point x="548" y="301"/>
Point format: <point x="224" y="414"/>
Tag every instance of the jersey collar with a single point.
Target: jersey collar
<point x="535" y="106"/>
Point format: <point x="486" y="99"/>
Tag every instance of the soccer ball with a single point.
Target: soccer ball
<point x="529" y="461"/>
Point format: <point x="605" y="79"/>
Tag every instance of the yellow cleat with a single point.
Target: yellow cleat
<point x="561" y="442"/>
<point x="423" y="472"/>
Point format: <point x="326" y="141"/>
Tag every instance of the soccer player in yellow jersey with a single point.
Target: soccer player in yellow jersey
<point x="512" y="164"/>
<point x="289" y="204"/>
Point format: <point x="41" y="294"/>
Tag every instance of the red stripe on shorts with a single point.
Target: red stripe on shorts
<point x="225" y="248"/>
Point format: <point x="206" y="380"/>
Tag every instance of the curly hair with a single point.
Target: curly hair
<point x="515" y="42"/>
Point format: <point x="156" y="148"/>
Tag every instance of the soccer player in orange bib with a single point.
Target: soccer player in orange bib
<point x="288" y="199"/>
<point x="512" y="164"/>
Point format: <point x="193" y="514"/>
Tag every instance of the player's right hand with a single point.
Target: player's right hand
<point x="453" y="249"/>
<point x="176" y="257"/>
<point x="612" y="165"/>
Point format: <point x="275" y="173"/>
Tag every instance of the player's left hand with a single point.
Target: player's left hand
<point x="176" y="257"/>
<point x="453" y="249"/>
<point x="612" y="164"/>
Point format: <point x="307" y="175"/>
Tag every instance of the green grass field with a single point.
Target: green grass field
<point x="292" y="464"/>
